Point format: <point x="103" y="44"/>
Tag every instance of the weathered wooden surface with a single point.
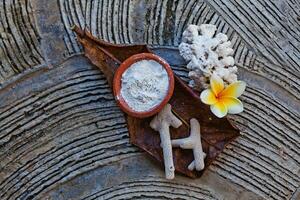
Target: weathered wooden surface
<point x="63" y="137"/>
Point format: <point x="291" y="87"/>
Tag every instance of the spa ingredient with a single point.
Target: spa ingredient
<point x="161" y="123"/>
<point x="223" y="100"/>
<point x="207" y="54"/>
<point x="144" y="85"/>
<point x="193" y="142"/>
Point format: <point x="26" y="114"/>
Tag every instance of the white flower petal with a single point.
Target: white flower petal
<point x="219" y="109"/>
<point x="233" y="105"/>
<point x="208" y="97"/>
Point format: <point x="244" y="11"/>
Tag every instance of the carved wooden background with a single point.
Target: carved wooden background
<point x="63" y="137"/>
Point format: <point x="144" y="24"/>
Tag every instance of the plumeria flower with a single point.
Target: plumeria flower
<point x="223" y="100"/>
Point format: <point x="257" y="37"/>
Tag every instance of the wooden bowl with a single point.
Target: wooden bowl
<point x="118" y="80"/>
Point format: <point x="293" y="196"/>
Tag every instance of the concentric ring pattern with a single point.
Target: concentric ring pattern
<point x="63" y="137"/>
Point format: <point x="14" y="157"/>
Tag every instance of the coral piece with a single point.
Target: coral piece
<point x="191" y="166"/>
<point x="207" y="55"/>
<point x="193" y="142"/>
<point x="161" y="123"/>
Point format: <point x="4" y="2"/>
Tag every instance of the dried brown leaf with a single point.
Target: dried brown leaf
<point x="216" y="133"/>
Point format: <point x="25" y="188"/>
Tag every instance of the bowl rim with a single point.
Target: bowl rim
<point x="117" y="81"/>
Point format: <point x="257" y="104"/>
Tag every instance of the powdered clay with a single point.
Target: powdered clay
<point x="144" y="85"/>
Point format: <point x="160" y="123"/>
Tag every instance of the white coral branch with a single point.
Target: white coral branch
<point x="191" y="166"/>
<point x="193" y="142"/>
<point x="207" y="54"/>
<point x="161" y="123"/>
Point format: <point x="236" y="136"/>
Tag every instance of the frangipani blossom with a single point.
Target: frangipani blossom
<point x="223" y="100"/>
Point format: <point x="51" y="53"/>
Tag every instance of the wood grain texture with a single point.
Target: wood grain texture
<point x="19" y="39"/>
<point x="261" y="53"/>
<point x="63" y="137"/>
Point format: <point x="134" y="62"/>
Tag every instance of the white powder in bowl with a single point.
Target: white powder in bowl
<point x="144" y="85"/>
